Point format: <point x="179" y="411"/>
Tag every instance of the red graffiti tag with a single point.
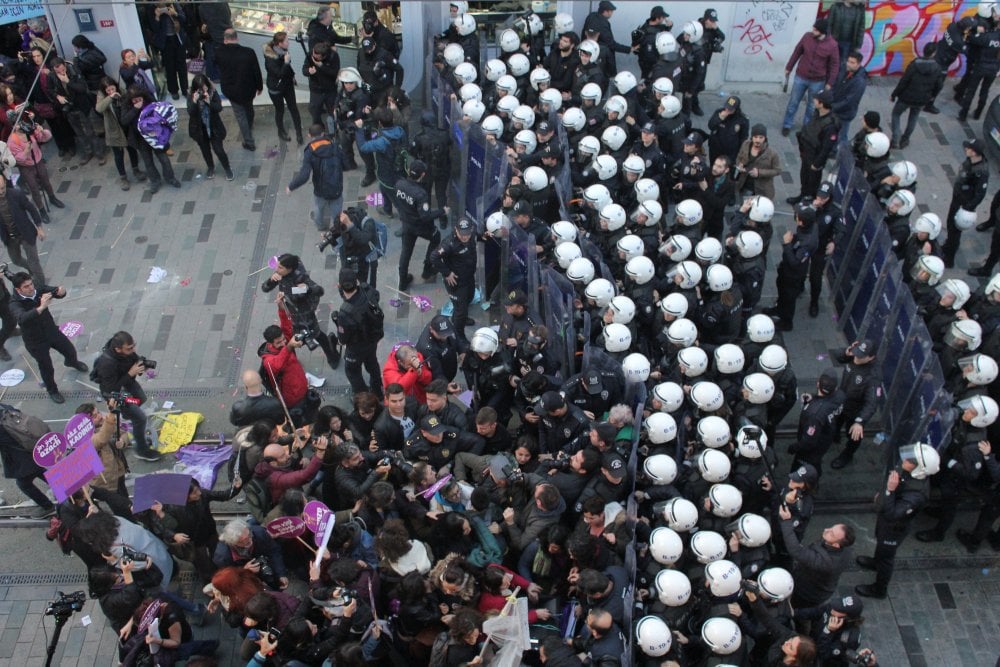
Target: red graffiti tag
<point x="757" y="36"/>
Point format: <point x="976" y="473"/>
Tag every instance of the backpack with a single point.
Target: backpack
<point x="157" y="124"/>
<point x="400" y="156"/>
<point x="380" y="245"/>
<point x="258" y="498"/>
<point x="24" y="429"/>
<point x="375" y="316"/>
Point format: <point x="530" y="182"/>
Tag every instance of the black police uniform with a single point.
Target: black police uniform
<point x="432" y="145"/>
<point x="967" y="193"/>
<point x="862" y="388"/>
<point x="692" y="80"/>
<point x="438" y="455"/>
<point x="441" y="356"/>
<point x="645" y="37"/>
<point x="830" y="224"/>
<point x="555" y="433"/>
<point x="490" y="382"/>
<point x="896" y="511"/>
<point x="792" y="272"/>
<point x="356" y="246"/>
<point x="380" y="70"/>
<point x="357" y="331"/>
<point x="417" y="217"/>
<point x="459" y="257"/>
<point x="817" y="427"/>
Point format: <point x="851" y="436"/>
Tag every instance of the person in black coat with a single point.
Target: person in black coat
<point x="90" y="62"/>
<point x="205" y="124"/>
<point x="257" y="405"/>
<point x="39" y="331"/>
<point x="281" y="85"/>
<point x="168" y="20"/>
<point x="241" y="82"/>
<point x="729" y="128"/>
<point x="22" y="242"/>
<point x="19" y="465"/>
<point x="600" y="22"/>
<point x="916" y="89"/>
<point x="321" y="68"/>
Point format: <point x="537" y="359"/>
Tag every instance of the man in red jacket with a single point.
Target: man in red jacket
<point x="280" y="368"/>
<point x="406" y="367"/>
<point x="280" y="474"/>
<point x="818" y="61"/>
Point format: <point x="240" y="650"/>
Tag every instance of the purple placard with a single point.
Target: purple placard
<point x="168" y="488"/>
<point x="375" y="199"/>
<point x="49" y="449"/>
<point x="436" y="486"/>
<point x="286" y="527"/>
<point x="313" y="513"/>
<point x="79" y="430"/>
<point x="273" y="262"/>
<point x="71" y="329"/>
<point x="72" y="472"/>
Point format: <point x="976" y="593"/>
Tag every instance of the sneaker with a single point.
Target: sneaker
<point x="230" y="176"/>
<point x="123" y="181"/>
<point x="56" y="397"/>
<point x="149" y="455"/>
<point x="210" y="174"/>
<point x="80" y="366"/>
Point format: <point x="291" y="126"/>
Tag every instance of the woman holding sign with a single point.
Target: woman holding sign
<point x="19" y="465"/>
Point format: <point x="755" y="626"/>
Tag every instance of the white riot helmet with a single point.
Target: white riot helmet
<point x="926" y="458"/>
<point x="665" y="546"/>
<point x="617" y="338"/>
<point x="661" y="429"/>
<point x="485" y="341"/>
<point x="663" y="86"/>
<point x="876" y="144"/>
<point x="760" y="328"/>
<point x="752" y="530"/>
<point x="729" y="359"/>
<point x="580" y="270"/>
<point x="566" y="253"/>
<point x="508" y="103"/>
<point x="694" y="30"/>
<point x="749" y="244"/>
<point x="601" y="291"/>
<point x="640" y="270"/>
<point x="497" y="221"/>
<point x="597" y="195"/>
<point x="495" y="68"/>
<point x="466" y="73"/>
<point x="538" y="76"/>
<point x="524" y="115"/>
<point x="635" y="367"/>
<point x="979" y="369"/>
<point x="690" y="273"/>
<point x="928" y="223"/>
<point x="682" y="332"/>
<point x="351" y="74"/>
<point x="506" y="84"/>
<point x="591" y="146"/>
<point x="721" y="635"/>
<point x="726" y="500"/>
<point x="592" y="92"/>
<point x="624" y="82"/>
<point x="564" y="231"/>
<point x="562" y="23"/>
<point x="591" y="48"/>
<point x="713" y="465"/>
<point x="776" y="583"/>
<point x="708" y="546"/>
<point x="965" y="220"/>
<point x="574" y="118"/>
<point x="652" y="636"/>
<point x="535" y="25"/>
<point x="964" y="335"/>
<point x="670" y="106"/>
<point x="492" y="125"/>
<point x="469" y="92"/>
<point x="527" y="139"/>
<point x="680" y="514"/>
<point x="646" y="189"/>
<point x="986" y="10"/>
<point x="932" y="265"/>
<point x="905" y="171"/>
<point x="616" y="104"/>
<point x="465" y="24"/>
<point x="773" y="359"/>
<point x="993" y="285"/>
<point x="958" y="289"/>
<point x="907" y="202"/>
<point x="474" y="109"/>
<point x="606" y="168"/>
<point x="518" y="65"/>
<point x="459" y="7"/>
<point x="673" y="588"/>
<point x="665" y="44"/>
<point x="509" y="41"/>
<point x="759" y="387"/>
<point x="670" y="395"/>
<point x="689" y="212"/>
<point x="708" y="250"/>
<point x="693" y="362"/>
<point x="613" y="215"/>
<point x="633" y="164"/>
<point x="761" y="209"/>
<point x="707" y="396"/>
<point x="453" y="55"/>
<point x="535" y="178"/>
<point x="751" y="442"/>
<point x="614" y="138"/>
<point x="622" y="309"/>
<point x="984" y="408"/>
<point x="719" y="277"/>
<point x="630" y="246"/>
<point x="677" y="248"/>
<point x="552" y="98"/>
<point x="660" y="468"/>
<point x="723" y="578"/>
<point x="651" y="209"/>
<point x="713" y="431"/>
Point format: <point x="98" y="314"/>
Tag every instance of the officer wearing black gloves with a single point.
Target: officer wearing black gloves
<point x="360" y="328"/>
<point x="797" y="248"/>
<point x="817" y="143"/>
<point x="440" y="348"/>
<point x="380" y="69"/>
<point x="455" y="260"/>
<point x="818" y="422"/>
<point x="432" y="146"/>
<point x="830" y="226"/>
<point x="862" y="390"/>
<point x="982" y="71"/>
<point x="966" y="194"/>
<point x="299" y="297"/>
<point x="356" y="230"/>
<point x="437" y="444"/>
<point x="352" y="105"/>
<point x="561" y="423"/>
<point x="418" y="218"/>
<point x="906" y="492"/>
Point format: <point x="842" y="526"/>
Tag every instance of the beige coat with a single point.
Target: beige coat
<point x="768" y="165"/>
<point x="114" y="469"/>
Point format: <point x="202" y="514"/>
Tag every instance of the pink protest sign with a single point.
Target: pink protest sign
<point x="49" y="449"/>
<point x="79" y="430"/>
<point x="286" y="527"/>
<point x="436" y="486"/>
<point x="375" y="199"/>
<point x="71" y="329"/>
<point x="313" y="514"/>
<point x="273" y="262"/>
<point x="72" y="472"/>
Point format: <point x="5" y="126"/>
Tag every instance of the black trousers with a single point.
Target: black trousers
<point x="817" y="266"/>
<point x="321" y="103"/>
<point x="979" y="78"/>
<point x="988" y="515"/>
<point x="950" y="247"/>
<point x="281" y="100"/>
<point x="410" y="237"/>
<point x="789" y="286"/>
<point x="175" y="66"/>
<point x="885" y="562"/>
<point x="8" y="321"/>
<point x="213" y="144"/>
<point x="809" y="178"/>
<point x="60" y="344"/>
<point x="461" y="296"/>
<point x="357" y="357"/>
<point x="28" y="488"/>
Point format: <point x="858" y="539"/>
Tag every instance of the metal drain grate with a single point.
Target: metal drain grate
<point x="41" y="579"/>
<point x="84" y="394"/>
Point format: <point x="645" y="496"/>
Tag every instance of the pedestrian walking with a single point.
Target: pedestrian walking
<point x="241" y="81"/>
<point x="818" y="65"/>
<point x="915" y="90"/>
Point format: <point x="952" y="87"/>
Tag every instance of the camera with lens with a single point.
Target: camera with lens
<point x="131" y="555"/>
<point x="5" y="269"/>
<point x="307" y="336"/>
<point x="561" y="465"/>
<point x="399" y="461"/>
<point x="749" y="586"/>
<point x="513" y="474"/>
<point x="65" y="604"/>
<point x="864" y="657"/>
<point x="148" y="363"/>
<point x="715" y="46"/>
<point x="266" y="571"/>
<point x="329" y="238"/>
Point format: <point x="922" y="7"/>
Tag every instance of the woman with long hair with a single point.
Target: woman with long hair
<point x="205" y="124"/>
<point x="281" y="84"/>
<point x="10" y="108"/>
<point x="137" y="99"/>
<point x="111" y="106"/>
<point x="47" y="107"/>
<point x="136" y="70"/>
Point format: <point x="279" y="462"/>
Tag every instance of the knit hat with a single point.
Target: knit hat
<point x="873" y="118"/>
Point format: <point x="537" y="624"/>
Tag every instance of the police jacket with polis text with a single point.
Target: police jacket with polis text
<point x="971" y="183"/>
<point x="951" y="44"/>
<point x="452" y="255"/>
<point x="414" y="206"/>
<point x="817" y="423"/>
<point x="988" y="44"/>
<point x="862" y="388"/>
<point x="897" y="509"/>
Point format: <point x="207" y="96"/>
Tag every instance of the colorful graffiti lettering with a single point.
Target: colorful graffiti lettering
<point x="756" y="37"/>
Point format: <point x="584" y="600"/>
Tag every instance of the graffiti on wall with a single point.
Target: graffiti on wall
<point x="755" y="36"/>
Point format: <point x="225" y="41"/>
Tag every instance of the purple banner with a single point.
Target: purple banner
<point x="50" y="448"/>
<point x="203" y="462"/>
<point x="286" y="527"/>
<point x="72" y="472"/>
<point x="167" y="488"/>
<point x="313" y="515"/>
<point x="79" y="431"/>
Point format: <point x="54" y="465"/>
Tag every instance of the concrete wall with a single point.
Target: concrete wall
<point x="125" y="33"/>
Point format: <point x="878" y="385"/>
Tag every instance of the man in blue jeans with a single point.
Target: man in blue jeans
<point x="818" y="60"/>
<point x="116" y="371"/>
<point x="324" y="160"/>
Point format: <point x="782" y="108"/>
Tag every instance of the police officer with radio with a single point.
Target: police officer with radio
<point x="360" y="332"/>
<point x="818" y="422"/>
<point x="455" y="259"/>
<point x="299" y="296"/>
<point x="862" y="389"/>
<point x="966" y="194"/>
<point x="380" y="68"/>
<point x="418" y="218"/>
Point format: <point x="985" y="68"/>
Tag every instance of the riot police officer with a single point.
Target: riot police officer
<point x="966" y="194"/>
<point x="818" y="422"/>
<point x="432" y="145"/>
<point x="417" y="219"/>
<point x="830" y="223"/>
<point x="352" y="104"/>
<point x="455" y="260"/>
<point x="862" y="389"/>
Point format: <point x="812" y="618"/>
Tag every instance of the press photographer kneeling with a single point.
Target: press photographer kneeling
<point x="116" y="371"/>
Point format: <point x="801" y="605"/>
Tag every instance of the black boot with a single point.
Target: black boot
<point x="963" y="115"/>
<point x="368" y="179"/>
<point x="970" y="543"/>
<point x="979" y="112"/>
<point x="298" y="136"/>
<point x="283" y="135"/>
<point x="843" y="460"/>
<point x="984" y="271"/>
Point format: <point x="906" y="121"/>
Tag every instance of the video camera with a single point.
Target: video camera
<point x="307" y="336"/>
<point x="329" y="237"/>
<point x="120" y="398"/>
<point x="65" y="605"/>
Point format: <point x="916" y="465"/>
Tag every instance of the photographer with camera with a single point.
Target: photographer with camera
<point x="355" y="230"/>
<point x="298" y="297"/>
<point x="359" y="324"/>
<point x="282" y="372"/>
<point x="116" y="372"/>
<point x="405" y="366"/>
<point x="324" y="159"/>
<point x="352" y="478"/>
<point x="251" y="548"/>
